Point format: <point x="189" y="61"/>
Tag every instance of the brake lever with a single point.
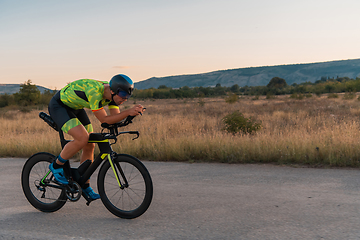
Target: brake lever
<point x="128" y="120"/>
<point x="136" y="137"/>
<point x="141" y="112"/>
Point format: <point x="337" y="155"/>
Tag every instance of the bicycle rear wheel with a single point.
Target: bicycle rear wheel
<point x="132" y="200"/>
<point x="42" y="197"/>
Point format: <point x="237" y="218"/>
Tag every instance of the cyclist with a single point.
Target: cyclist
<point x="67" y="110"/>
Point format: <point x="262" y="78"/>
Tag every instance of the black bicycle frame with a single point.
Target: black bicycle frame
<point x="103" y="141"/>
<point x="105" y="152"/>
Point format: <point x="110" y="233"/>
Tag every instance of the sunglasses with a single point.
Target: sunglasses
<point x="123" y="94"/>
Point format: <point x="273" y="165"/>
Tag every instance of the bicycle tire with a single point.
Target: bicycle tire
<point x="132" y="201"/>
<point x="35" y="168"/>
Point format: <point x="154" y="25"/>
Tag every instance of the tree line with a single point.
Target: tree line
<point x="276" y="86"/>
<point x="30" y="95"/>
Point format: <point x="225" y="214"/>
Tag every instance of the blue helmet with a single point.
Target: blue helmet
<point x="122" y="85"/>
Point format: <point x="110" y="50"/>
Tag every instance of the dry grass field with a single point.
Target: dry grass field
<point x="316" y="131"/>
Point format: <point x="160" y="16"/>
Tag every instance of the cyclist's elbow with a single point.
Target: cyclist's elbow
<point x="101" y="115"/>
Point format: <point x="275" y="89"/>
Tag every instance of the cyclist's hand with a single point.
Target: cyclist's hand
<point x="136" y="110"/>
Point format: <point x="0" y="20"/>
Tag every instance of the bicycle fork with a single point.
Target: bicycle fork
<point x="115" y="170"/>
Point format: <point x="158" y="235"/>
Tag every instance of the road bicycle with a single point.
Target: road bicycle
<point x="124" y="184"/>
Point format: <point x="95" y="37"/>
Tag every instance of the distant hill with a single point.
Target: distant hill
<point x="14" y="88"/>
<point x="259" y="76"/>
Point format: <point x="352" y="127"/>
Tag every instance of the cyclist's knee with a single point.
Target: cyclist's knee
<point x="82" y="139"/>
<point x="89" y="147"/>
<point x="80" y="135"/>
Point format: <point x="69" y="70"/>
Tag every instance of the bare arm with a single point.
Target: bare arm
<point x="114" y="111"/>
<point x="116" y="116"/>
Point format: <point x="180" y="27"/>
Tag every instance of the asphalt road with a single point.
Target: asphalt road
<point x="201" y="201"/>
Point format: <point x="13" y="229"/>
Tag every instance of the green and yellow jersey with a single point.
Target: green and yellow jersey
<point x="85" y="93"/>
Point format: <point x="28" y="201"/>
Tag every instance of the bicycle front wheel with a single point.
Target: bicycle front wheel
<point x="41" y="196"/>
<point x="134" y="197"/>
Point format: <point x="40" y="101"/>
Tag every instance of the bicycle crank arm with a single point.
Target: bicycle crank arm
<point x="88" y="200"/>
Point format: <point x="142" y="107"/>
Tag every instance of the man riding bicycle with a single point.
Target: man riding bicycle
<point x="67" y="110"/>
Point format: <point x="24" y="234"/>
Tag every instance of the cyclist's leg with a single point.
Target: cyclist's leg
<point x="80" y="140"/>
<point x="66" y="119"/>
<point x="87" y="152"/>
<point x="60" y="114"/>
<point x="88" y="149"/>
<point x="70" y="121"/>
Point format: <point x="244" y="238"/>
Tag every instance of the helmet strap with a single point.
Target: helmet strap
<point x="112" y="96"/>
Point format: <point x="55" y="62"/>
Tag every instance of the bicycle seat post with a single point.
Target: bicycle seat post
<point x="63" y="141"/>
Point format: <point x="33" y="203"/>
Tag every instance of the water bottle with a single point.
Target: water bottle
<point x="48" y="120"/>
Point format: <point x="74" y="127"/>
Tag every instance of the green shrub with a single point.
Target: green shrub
<point x="236" y="122"/>
<point x="232" y="98"/>
<point x="300" y="96"/>
<point x="293" y="96"/>
<point x="318" y="92"/>
<point x="256" y="97"/>
<point x="270" y="95"/>
<point x="28" y="94"/>
<point x="6" y="100"/>
<point x="201" y="102"/>
<point x="297" y="96"/>
<point x="349" y="96"/>
<point x="333" y="95"/>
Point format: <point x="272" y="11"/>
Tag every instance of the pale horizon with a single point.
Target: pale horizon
<point x="53" y="43"/>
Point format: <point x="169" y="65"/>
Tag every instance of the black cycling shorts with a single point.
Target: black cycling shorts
<point x="66" y="117"/>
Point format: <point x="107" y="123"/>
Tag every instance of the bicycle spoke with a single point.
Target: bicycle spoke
<point x="120" y="198"/>
<point x="135" y="196"/>
<point x="128" y="198"/>
<point x="39" y="194"/>
<point x="38" y="172"/>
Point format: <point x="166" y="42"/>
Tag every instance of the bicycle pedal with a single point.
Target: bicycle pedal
<point x="88" y="199"/>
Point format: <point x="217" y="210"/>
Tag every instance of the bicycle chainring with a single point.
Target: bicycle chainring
<point x="73" y="191"/>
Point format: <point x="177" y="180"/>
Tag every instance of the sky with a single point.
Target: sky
<point x="55" y="42"/>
